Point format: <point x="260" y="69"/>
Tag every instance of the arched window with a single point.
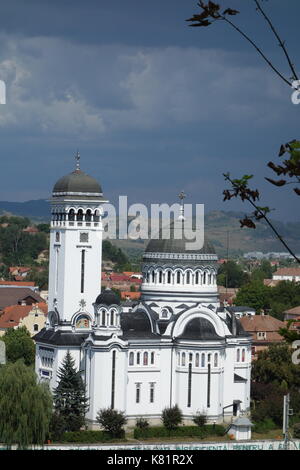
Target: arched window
<point x="202" y="360"/>
<point x="183" y="359"/>
<point x="138" y="358"/>
<point x="160" y="277"/>
<point x="238" y="355"/>
<point x="243" y="355"/>
<point x="188" y="277"/>
<point x="96" y="216"/>
<point x="164" y="313"/>
<point x="152" y="358"/>
<point x="112" y="318"/>
<point x="216" y="360"/>
<point x="131" y="359"/>
<point x="197" y="360"/>
<point x="178" y="277"/>
<point x="103" y="313"/>
<point x="80" y="215"/>
<point x="197" y="277"/>
<point x="71" y="214"/>
<point x="36" y="327"/>
<point x="88" y="215"/>
<point x="169" y="277"/>
<point x="145" y="359"/>
<point x="178" y="359"/>
<point x="204" y="277"/>
<point x="153" y="276"/>
<point x="190" y="357"/>
<point x="209" y="279"/>
<point x="209" y="358"/>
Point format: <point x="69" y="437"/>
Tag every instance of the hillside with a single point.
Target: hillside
<point x="220" y="227"/>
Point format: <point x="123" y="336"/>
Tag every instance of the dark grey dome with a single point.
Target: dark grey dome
<point x="135" y="322"/>
<point x="199" y="328"/>
<point x="108" y="297"/>
<point x="77" y="182"/>
<point x="177" y="241"/>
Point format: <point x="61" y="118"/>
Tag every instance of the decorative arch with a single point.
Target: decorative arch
<point x="81" y="320"/>
<point x="203" y="312"/>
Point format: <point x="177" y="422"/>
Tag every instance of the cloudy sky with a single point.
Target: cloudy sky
<point x="153" y="105"/>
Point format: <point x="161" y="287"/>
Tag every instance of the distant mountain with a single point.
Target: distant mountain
<point x="221" y="228"/>
<point x="35" y="210"/>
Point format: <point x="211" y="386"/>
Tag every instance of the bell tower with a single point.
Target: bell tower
<point x="75" y="245"/>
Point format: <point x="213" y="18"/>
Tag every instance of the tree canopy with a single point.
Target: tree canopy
<point x="25" y="406"/>
<point x="19" y="345"/>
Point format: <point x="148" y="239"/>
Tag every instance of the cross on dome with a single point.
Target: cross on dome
<point x="181" y="196"/>
<point x="77" y="159"/>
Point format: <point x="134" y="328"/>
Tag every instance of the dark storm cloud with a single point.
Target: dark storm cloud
<point x="153" y="105"/>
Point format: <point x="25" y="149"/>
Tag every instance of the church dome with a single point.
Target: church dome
<point x="77" y="183"/>
<point x="108" y="297"/>
<point x="177" y="241"/>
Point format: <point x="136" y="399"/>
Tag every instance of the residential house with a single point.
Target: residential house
<point x="264" y="330"/>
<point x="32" y="316"/>
<point x="287" y="274"/>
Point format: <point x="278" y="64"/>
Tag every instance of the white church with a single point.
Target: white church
<point x="178" y="345"/>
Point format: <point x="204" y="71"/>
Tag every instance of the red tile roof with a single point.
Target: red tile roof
<point x="255" y="323"/>
<point x="17" y="283"/>
<point x="130" y="295"/>
<point x="287" y="272"/>
<point x="293" y="311"/>
<point x="14" y="313"/>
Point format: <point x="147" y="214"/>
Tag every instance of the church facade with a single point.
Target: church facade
<point x="177" y="345"/>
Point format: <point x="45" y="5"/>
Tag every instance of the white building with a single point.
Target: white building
<point x="177" y="346"/>
<point x="287" y="274"/>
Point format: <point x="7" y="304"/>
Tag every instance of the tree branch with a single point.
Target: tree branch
<point x="281" y="43"/>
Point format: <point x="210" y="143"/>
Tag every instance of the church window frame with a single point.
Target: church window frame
<point x="145" y="358"/>
<point x="216" y="360"/>
<point x="183" y="359"/>
<point x="131" y="358"/>
<point x="138" y="392"/>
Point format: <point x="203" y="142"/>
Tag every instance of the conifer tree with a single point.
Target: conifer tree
<point x="69" y="397"/>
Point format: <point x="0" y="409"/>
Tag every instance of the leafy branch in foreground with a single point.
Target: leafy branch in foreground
<point x="240" y="189"/>
<point x="211" y="12"/>
<point x="290" y="167"/>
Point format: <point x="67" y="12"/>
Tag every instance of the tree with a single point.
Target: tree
<point x="171" y="417"/>
<point x="273" y="375"/>
<point x="254" y="294"/>
<point x="210" y="13"/>
<point x="69" y="396"/>
<point x="231" y="275"/>
<point x="112" y="421"/>
<point x="264" y="271"/>
<point x="25" y="406"/>
<point x="274" y="366"/>
<point x="19" y="345"/>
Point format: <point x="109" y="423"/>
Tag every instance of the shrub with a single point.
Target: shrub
<point x="86" y="437"/>
<point x="112" y="421"/>
<point x="199" y="419"/>
<point x="180" y="431"/>
<point x="171" y="417"/>
<point x="142" y="423"/>
<point x="264" y="426"/>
